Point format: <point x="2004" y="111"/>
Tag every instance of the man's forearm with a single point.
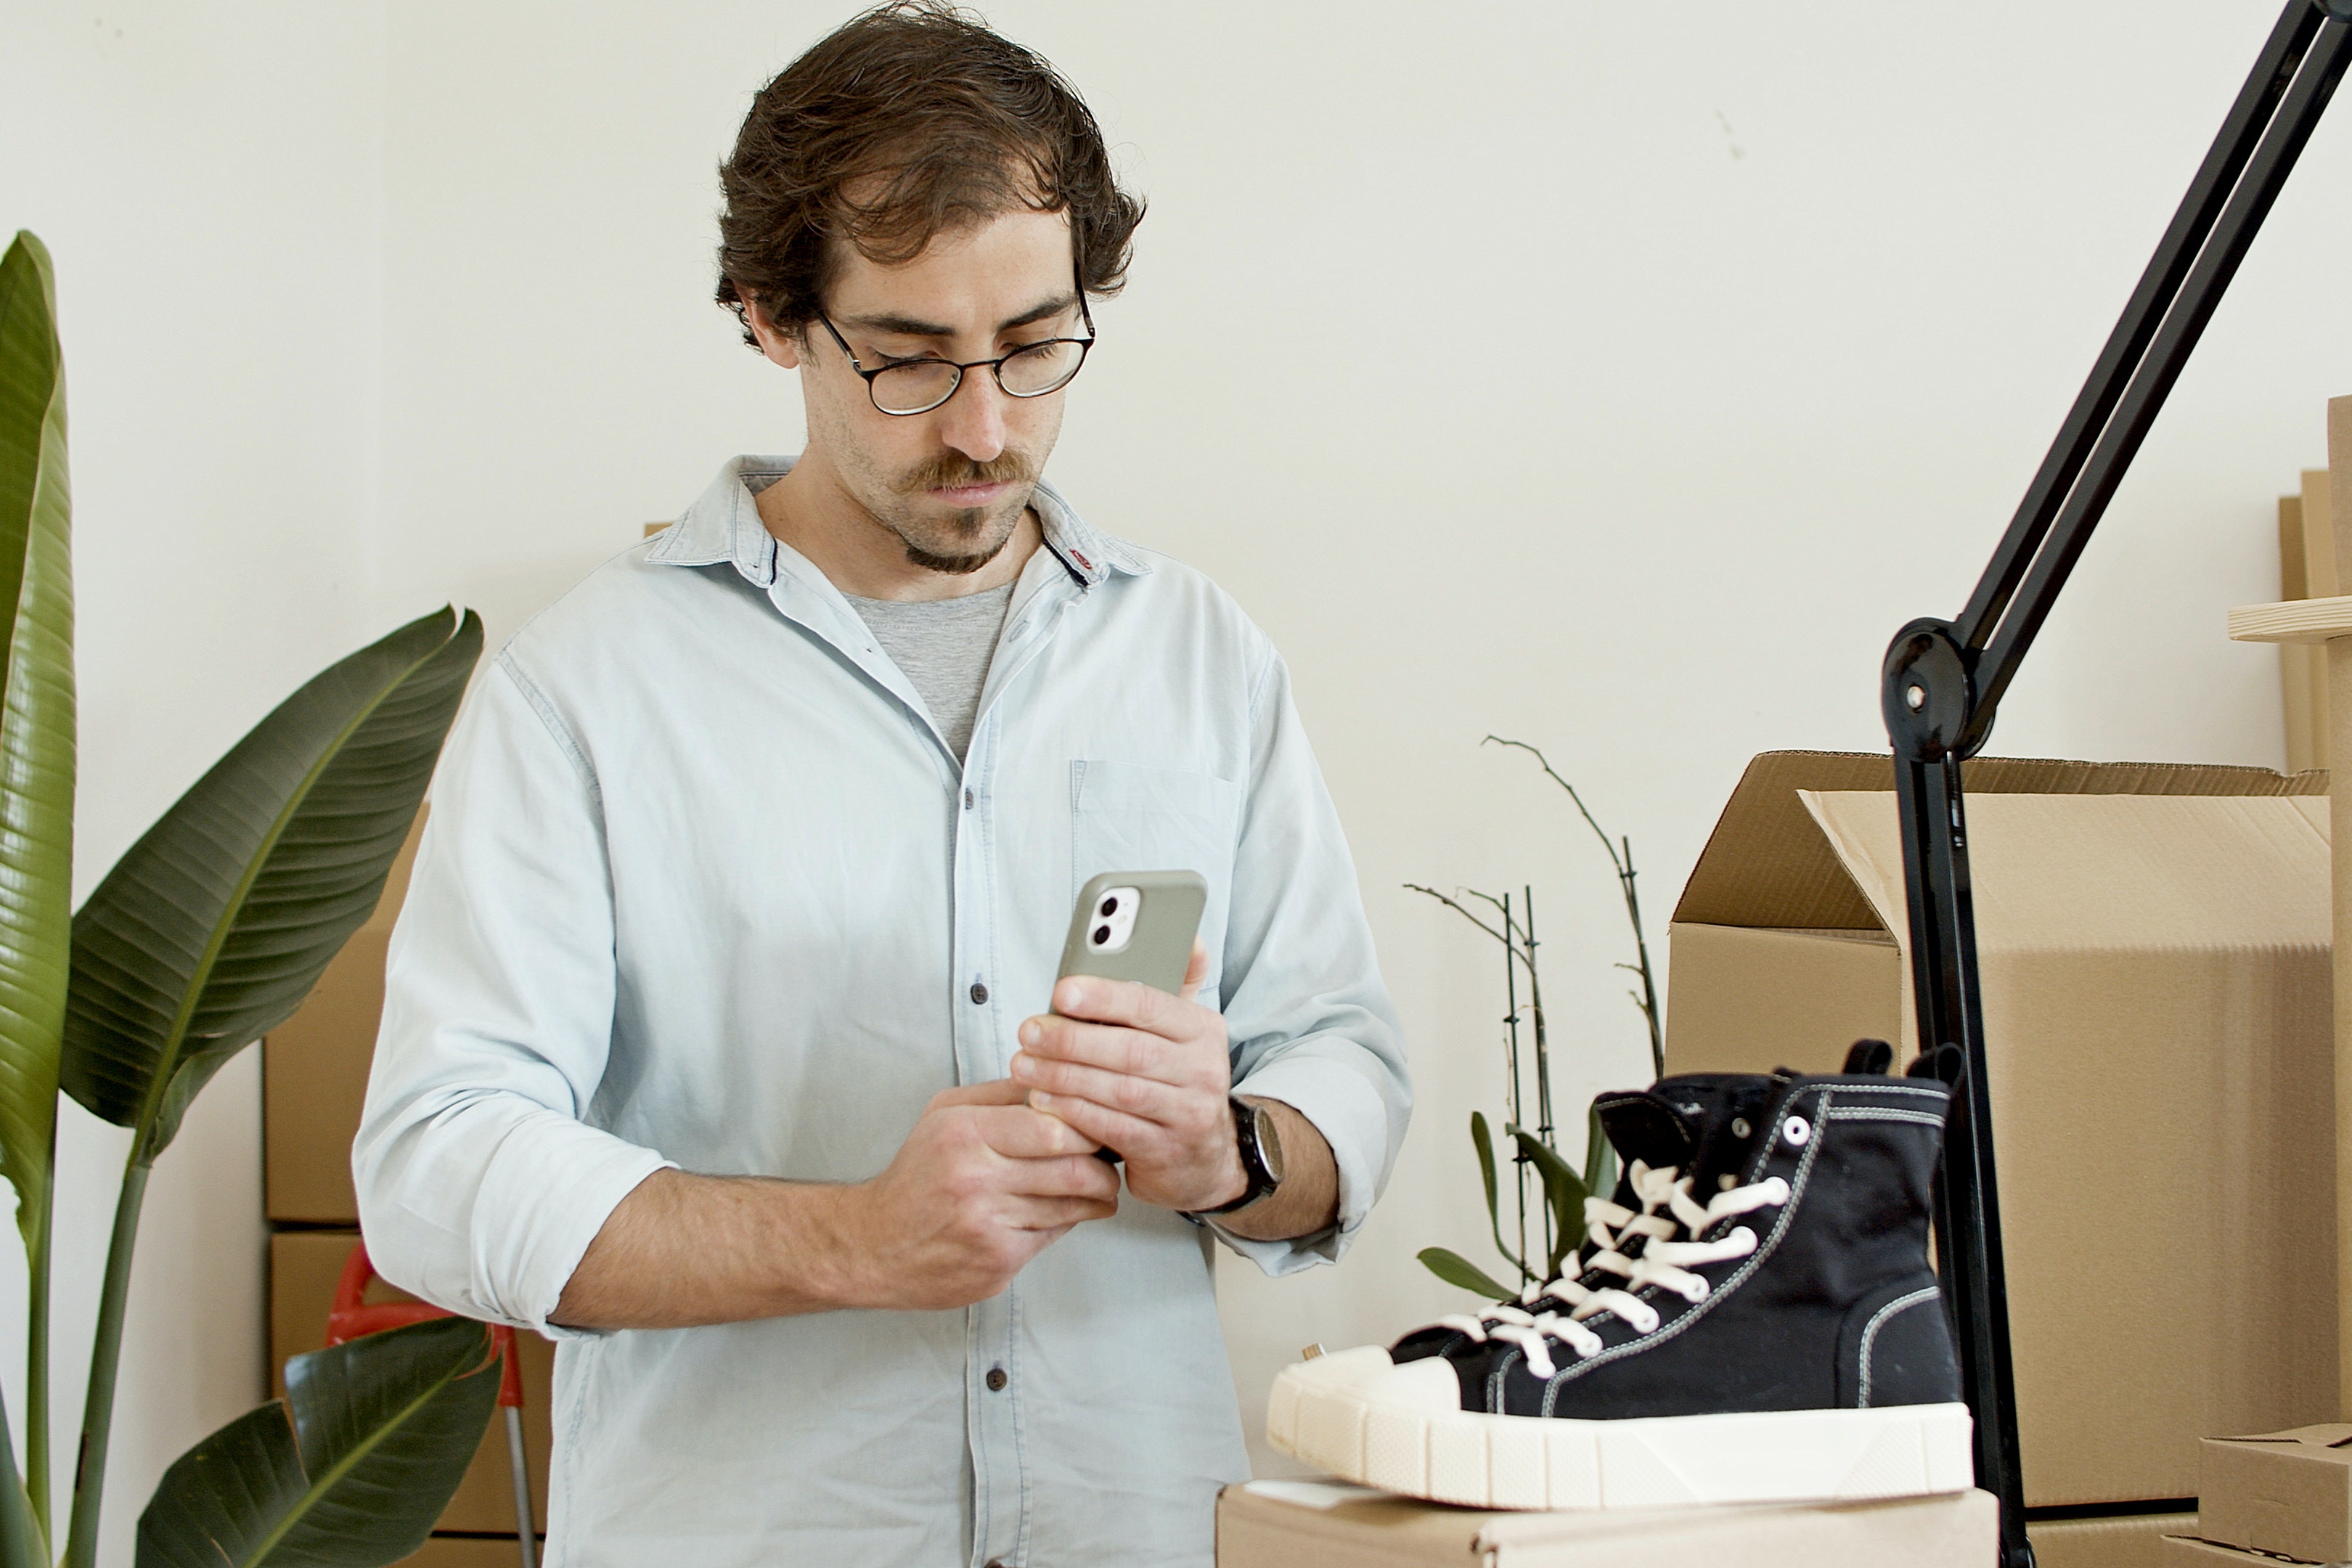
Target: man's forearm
<point x="1308" y="1199"/>
<point x="981" y="1184"/>
<point x="681" y="1251"/>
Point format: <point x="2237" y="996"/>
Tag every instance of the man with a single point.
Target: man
<point x="717" y="1040"/>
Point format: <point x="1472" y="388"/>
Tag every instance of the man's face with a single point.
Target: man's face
<point x="951" y="483"/>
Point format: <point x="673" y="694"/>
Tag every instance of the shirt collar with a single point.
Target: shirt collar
<point x="723" y="525"/>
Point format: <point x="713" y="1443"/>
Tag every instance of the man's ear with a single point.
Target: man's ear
<point x="782" y="347"/>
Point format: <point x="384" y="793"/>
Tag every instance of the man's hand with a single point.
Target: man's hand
<point x="981" y="1186"/>
<point x="1146" y="1074"/>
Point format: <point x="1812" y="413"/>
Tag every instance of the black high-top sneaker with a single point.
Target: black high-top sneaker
<point x="1716" y="1112"/>
<point x="1760" y="1324"/>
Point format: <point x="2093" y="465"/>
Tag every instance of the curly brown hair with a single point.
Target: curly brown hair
<point x="910" y="121"/>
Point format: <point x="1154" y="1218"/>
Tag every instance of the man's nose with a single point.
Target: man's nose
<point x="972" y="421"/>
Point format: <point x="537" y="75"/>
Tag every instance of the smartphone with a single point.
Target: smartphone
<point x="1136" y="925"/>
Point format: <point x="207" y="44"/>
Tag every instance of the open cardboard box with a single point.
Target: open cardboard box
<point x="1320" y="1524"/>
<point x="2154" y="944"/>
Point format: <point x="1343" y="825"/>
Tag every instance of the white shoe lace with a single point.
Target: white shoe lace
<point x="1663" y="1261"/>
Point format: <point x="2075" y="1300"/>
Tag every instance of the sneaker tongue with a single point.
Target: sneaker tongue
<point x="1702" y="1124"/>
<point x="1653" y="1126"/>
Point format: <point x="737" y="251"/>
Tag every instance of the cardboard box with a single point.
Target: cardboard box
<point x="2284" y="1492"/>
<point x="304" y="1265"/>
<point x="2135" y="1540"/>
<point x="1314" y="1524"/>
<point x="2154" y="944"/>
<point x="466" y="1552"/>
<point x="2300" y="665"/>
<point x="314" y="1071"/>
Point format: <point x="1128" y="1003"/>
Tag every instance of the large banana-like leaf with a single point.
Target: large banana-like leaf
<point x="37" y="725"/>
<point x="211" y="929"/>
<point x="349" y="1471"/>
<point x="21" y="1543"/>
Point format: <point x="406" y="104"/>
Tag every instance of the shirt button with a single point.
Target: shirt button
<point x="979" y="993"/>
<point x="967" y="800"/>
<point x="997" y="1380"/>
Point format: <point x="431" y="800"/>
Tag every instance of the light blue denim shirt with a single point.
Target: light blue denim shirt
<point x="703" y="886"/>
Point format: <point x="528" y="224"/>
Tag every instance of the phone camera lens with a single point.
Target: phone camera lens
<point x="1102" y="935"/>
<point x="1110" y="908"/>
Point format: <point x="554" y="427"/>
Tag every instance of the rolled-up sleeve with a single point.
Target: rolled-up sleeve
<point x="479" y="1183"/>
<point x="1311" y="1021"/>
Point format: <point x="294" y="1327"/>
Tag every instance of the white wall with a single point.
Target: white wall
<point x="208" y="180"/>
<point x="1617" y="378"/>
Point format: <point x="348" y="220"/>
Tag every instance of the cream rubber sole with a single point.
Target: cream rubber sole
<point x="1402" y="1429"/>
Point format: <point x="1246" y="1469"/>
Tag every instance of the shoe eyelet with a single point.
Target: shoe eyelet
<point x="1739" y="1127"/>
<point x="1726" y="1182"/>
<point x="1796" y="1131"/>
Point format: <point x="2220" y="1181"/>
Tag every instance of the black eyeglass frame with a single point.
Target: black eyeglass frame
<point x="996" y="366"/>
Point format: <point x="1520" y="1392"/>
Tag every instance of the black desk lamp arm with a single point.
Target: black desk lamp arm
<point x="1943" y="681"/>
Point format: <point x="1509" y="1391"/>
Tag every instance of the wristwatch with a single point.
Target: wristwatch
<point x="1261" y="1152"/>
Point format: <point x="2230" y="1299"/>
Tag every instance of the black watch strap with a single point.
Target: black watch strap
<point x="1262" y="1177"/>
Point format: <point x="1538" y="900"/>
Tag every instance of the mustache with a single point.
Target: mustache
<point x="953" y="468"/>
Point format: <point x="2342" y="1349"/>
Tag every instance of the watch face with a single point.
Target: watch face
<point x="1269" y="1143"/>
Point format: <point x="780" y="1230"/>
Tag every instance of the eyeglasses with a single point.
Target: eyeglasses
<point x="919" y="386"/>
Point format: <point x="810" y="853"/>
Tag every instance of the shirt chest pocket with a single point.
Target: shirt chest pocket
<point x="1128" y="817"/>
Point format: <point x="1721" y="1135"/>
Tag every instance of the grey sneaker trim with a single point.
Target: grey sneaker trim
<point x="1870" y="1333"/>
<point x="1885" y="1113"/>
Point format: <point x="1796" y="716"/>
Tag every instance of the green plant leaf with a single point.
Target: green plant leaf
<point x="349" y="1470"/>
<point x="1486" y="1142"/>
<point x="211" y="929"/>
<point x="1563" y="1189"/>
<point x="37" y="726"/>
<point x="1457" y="1269"/>
<point x="1600" y="1157"/>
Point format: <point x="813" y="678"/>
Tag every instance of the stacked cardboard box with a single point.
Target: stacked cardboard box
<point x="2306" y="571"/>
<point x="314" y="1080"/>
<point x="2282" y="1497"/>
<point x="1318" y="1524"/>
<point x="2154" y="943"/>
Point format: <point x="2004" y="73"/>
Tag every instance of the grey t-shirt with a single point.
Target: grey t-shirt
<point x="944" y="645"/>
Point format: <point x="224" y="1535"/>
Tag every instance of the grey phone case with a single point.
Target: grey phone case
<point x="1165" y="924"/>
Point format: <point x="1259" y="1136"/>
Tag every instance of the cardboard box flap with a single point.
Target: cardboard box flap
<point x="2332" y="1441"/>
<point x="2287" y="1494"/>
<point x="2055" y="872"/>
<point x="1765" y="864"/>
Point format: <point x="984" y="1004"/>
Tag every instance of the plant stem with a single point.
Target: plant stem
<point x="105" y="1360"/>
<point x="1535" y="1005"/>
<point x="1518" y="1159"/>
<point x="1527" y="936"/>
<point x="36" y="1349"/>
<point x="1648" y="1000"/>
<point x="1641" y="948"/>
